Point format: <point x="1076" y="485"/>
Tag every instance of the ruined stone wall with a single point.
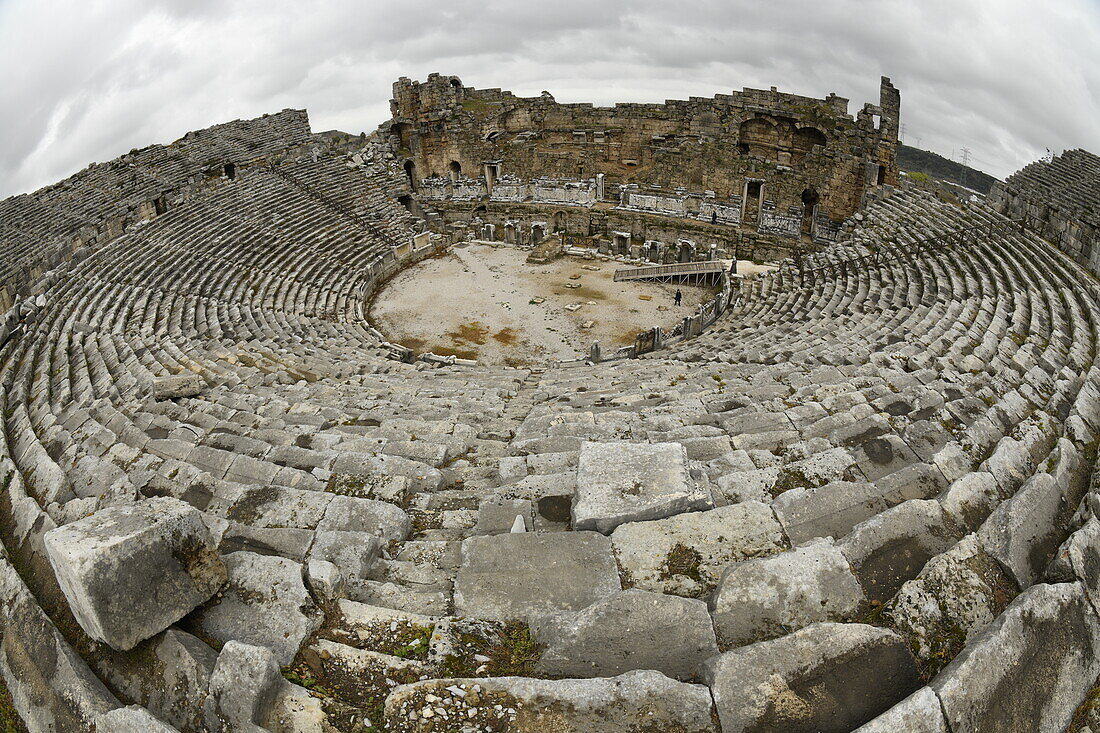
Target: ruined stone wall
<point x="724" y="242"/>
<point x="803" y="151"/>
<point x="1060" y="200"/>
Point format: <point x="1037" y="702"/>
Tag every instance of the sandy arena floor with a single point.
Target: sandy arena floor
<point x="477" y="302"/>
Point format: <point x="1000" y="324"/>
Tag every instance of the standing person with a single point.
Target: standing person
<point x="679" y="296"/>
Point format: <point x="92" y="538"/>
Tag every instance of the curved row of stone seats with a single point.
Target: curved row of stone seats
<point x="365" y="511"/>
<point x="1059" y="320"/>
<point x="79" y="424"/>
<point x="333" y="178"/>
<point x="1067" y="181"/>
<point x="100" y="202"/>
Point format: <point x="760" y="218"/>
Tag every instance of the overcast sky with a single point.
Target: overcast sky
<point x="89" y="80"/>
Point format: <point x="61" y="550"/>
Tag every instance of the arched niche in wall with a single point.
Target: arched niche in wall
<point x="805" y="138"/>
<point x="516" y="120"/>
<point x="759" y="137"/>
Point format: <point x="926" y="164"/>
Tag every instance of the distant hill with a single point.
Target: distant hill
<point x="915" y="160"/>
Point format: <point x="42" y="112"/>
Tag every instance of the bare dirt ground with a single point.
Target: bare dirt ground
<point x="480" y="302"/>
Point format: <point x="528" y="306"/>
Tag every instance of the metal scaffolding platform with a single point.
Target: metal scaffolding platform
<point x="709" y="271"/>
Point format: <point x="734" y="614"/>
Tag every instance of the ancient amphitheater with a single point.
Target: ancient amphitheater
<point x="854" y="492"/>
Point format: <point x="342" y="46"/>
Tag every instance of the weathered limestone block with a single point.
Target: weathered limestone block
<point x="1079" y="559"/>
<point x="955" y="596"/>
<point x="175" y="387"/>
<point x="1009" y="464"/>
<point x="635" y="702"/>
<point x="325" y="581"/>
<point x="352" y="552"/>
<point x="771" y="596"/>
<point x="423" y="477"/>
<point x="130" y="719"/>
<point x="291" y="543"/>
<point x="523" y="575"/>
<point x="827" y="511"/>
<point x="686" y="554"/>
<point x="971" y="498"/>
<point x="243" y="688"/>
<point x="1031" y="667"/>
<point x="497" y="515"/>
<point x="918" y="713"/>
<point x="169" y="675"/>
<point x="130" y="571"/>
<point x="825" y="677"/>
<point x="273" y="506"/>
<point x="266" y="604"/>
<point x="50" y="685"/>
<point x="380" y="518"/>
<point x="634" y="629"/>
<point x="1024" y="532"/>
<point x="630" y="482"/>
<point x="891" y="548"/>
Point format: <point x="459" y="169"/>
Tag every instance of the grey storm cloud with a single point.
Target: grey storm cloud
<point x="89" y="80"/>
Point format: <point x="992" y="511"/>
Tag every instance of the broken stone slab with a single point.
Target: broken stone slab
<point x="892" y="547"/>
<point x="634" y="629"/>
<point x="523" y="575"/>
<point x="175" y="387"/>
<point x="131" y="719"/>
<point x="686" y="554"/>
<point x="918" y="713"/>
<point x="634" y="702"/>
<point x="825" y="677"/>
<point x="1030" y="669"/>
<point x="764" y="598"/>
<point x="630" y="482"/>
<point x="265" y="604"/>
<point x="129" y="572"/>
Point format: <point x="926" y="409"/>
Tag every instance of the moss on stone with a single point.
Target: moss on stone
<point x="511" y="652"/>
<point x="682" y="560"/>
